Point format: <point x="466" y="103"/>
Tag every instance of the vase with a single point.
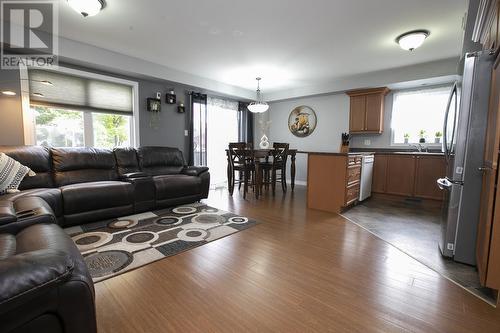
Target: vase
<point x="437" y="140"/>
<point x="406" y="141"/>
<point x="264" y="142"/>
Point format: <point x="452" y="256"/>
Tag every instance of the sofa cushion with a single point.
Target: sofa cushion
<point x="37" y="159"/>
<point x="80" y="165"/>
<point x="12" y="174"/>
<point x="173" y="186"/>
<point x="160" y="160"/>
<point x="126" y="160"/>
<point x="86" y="197"/>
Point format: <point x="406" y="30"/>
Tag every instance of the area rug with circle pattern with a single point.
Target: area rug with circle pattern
<point x="116" y="246"/>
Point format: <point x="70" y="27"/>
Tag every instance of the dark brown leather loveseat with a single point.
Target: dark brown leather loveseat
<point x="44" y="283"/>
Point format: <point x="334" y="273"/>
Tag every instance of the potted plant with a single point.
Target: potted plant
<point x="407" y="138"/>
<point x="438" y="137"/>
<point x="422" y="136"/>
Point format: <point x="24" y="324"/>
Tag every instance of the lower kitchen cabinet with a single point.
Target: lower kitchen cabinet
<point x="428" y="169"/>
<point x="410" y="175"/>
<point x="379" y="174"/>
<point x="400" y="175"/>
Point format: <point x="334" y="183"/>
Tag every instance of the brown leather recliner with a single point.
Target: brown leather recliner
<point x="44" y="283"/>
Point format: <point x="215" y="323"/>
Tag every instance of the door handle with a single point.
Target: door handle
<point x="444" y="183"/>
<point x="484" y="168"/>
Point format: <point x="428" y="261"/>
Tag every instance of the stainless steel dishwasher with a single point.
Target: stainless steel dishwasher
<point x="365" y="187"/>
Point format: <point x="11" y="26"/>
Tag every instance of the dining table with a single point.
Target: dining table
<point x="262" y="155"/>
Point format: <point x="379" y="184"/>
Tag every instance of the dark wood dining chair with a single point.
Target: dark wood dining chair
<point x="270" y="170"/>
<point x="240" y="160"/>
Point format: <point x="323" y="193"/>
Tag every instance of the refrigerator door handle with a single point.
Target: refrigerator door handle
<point x="444" y="184"/>
<point x="445" y="149"/>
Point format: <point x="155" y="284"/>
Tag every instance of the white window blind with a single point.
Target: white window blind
<point x="69" y="91"/>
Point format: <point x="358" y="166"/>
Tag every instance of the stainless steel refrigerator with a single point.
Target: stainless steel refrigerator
<point x="464" y="133"/>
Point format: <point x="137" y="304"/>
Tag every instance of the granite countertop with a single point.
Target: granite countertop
<point x="375" y="151"/>
<point x="403" y="151"/>
<point x="334" y="153"/>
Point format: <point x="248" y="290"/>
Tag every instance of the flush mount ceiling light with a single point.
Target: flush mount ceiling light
<point x="411" y="40"/>
<point x="87" y="7"/>
<point x="9" y="93"/>
<point x="258" y="106"/>
<point x="45" y="82"/>
<point x="37" y="94"/>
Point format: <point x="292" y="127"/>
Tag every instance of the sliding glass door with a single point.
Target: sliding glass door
<point x="216" y="123"/>
<point x="222" y="128"/>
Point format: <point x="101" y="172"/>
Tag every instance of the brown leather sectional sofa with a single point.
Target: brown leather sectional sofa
<point x="44" y="283"/>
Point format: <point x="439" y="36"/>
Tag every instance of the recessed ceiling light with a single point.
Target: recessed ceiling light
<point x="9" y="93"/>
<point x="411" y="40"/>
<point x="47" y="83"/>
<point x="87" y="7"/>
<point x="37" y="94"/>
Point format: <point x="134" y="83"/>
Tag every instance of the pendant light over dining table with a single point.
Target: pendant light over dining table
<point x="258" y="106"/>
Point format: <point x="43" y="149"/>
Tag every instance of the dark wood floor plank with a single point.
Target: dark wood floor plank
<point x="299" y="270"/>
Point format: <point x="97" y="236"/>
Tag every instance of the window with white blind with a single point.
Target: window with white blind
<point x="419" y="113"/>
<point x="75" y="111"/>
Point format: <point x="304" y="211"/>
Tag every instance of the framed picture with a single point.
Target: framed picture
<point x="302" y="121"/>
<point x="154" y="105"/>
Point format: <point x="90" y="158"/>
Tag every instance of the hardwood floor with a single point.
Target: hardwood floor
<point x="299" y="270"/>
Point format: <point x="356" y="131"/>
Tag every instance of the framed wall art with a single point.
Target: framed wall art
<point x="302" y="121"/>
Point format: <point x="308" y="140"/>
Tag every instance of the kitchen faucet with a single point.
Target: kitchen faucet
<point x="419" y="147"/>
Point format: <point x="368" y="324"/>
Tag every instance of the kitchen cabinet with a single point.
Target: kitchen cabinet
<point x="367" y="110"/>
<point x="487" y="29"/>
<point x="408" y="175"/>
<point x="379" y="173"/>
<point x="488" y="238"/>
<point x="333" y="180"/>
<point x="427" y="170"/>
<point x="400" y="175"/>
<point x="357" y="114"/>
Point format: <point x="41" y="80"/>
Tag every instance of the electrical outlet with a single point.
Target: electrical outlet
<point x="368" y="142"/>
<point x="451" y="246"/>
<point x="186" y="133"/>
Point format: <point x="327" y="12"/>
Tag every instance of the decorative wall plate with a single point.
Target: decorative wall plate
<point x="302" y="121"/>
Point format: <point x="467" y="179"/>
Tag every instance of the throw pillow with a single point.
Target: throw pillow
<point x="11" y="174"/>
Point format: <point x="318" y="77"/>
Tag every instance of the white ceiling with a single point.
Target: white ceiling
<point x="290" y="43"/>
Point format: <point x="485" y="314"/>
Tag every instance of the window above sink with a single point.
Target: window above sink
<point x="418" y="113"/>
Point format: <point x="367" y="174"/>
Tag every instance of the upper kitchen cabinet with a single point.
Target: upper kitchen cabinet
<point x="487" y="27"/>
<point x="367" y="110"/>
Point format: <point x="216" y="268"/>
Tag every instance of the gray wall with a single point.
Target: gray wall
<point x="168" y="132"/>
<point x="11" y="116"/>
<point x="332" y="113"/>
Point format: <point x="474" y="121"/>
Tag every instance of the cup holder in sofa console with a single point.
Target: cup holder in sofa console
<point x="27" y="213"/>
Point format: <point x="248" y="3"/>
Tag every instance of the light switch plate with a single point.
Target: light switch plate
<point x="186" y="132"/>
<point x="368" y="142"/>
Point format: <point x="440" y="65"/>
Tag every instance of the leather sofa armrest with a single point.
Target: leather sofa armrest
<point x="193" y="170"/>
<point x="132" y="175"/>
<point x="28" y="211"/>
<point x="7" y="212"/>
<point x="27" y="275"/>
